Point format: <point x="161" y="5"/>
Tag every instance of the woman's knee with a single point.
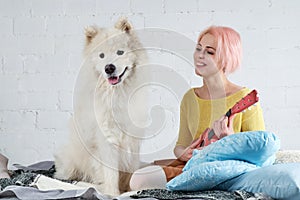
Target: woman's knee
<point x="148" y="178"/>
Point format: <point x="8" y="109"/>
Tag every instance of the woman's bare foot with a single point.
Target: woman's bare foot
<point x="3" y="167"/>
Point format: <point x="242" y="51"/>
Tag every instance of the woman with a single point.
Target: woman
<point x="218" y="53"/>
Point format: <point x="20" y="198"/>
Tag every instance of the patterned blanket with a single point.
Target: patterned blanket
<point x="24" y="176"/>
<point x="211" y="195"/>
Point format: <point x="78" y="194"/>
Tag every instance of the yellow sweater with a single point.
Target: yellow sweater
<point x="197" y="114"/>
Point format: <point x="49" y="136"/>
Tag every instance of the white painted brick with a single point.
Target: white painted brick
<point x="47" y="64"/>
<point x="15" y="8"/>
<point x="13" y="63"/>
<point x="161" y="58"/>
<point x="286" y="12"/>
<point x="193" y="21"/>
<point x="65" y="101"/>
<point x="75" y="62"/>
<point x="165" y="21"/>
<point x="28" y="146"/>
<point x="9" y="44"/>
<point x="150" y="37"/>
<point x="250" y="59"/>
<point x="69" y="44"/>
<point x="45" y="82"/>
<point x="29" y="26"/>
<point x="277" y="40"/>
<point x="250" y="77"/>
<point x="30" y="45"/>
<point x="137" y="20"/>
<point x="291" y="7"/>
<point x="53" y="120"/>
<point x="80" y="7"/>
<point x="6" y="25"/>
<point x="10" y="100"/>
<point x="18" y="120"/>
<point x="51" y="59"/>
<point x="231" y="19"/>
<point x="47" y="100"/>
<point x="270" y="100"/>
<point x="264" y="17"/>
<point x="31" y="63"/>
<point x="184" y="66"/>
<point x="252" y="40"/>
<point x="231" y="6"/>
<point x="287" y="77"/>
<point x="159" y="40"/>
<point x="161" y="21"/>
<point x="47" y="8"/>
<point x="181" y="6"/>
<point x="157" y="145"/>
<point x="293" y="97"/>
<point x="277" y="59"/>
<point x="1" y="65"/>
<point x="171" y="39"/>
<point x="8" y="82"/>
<point x="60" y="139"/>
<point x="213" y="6"/>
<point x="283" y="20"/>
<point x="248" y="6"/>
<point x="116" y="6"/>
<point x="285" y="134"/>
<point x="64" y="25"/>
<point x="142" y="6"/>
<point x="103" y="20"/>
<point x="282" y="118"/>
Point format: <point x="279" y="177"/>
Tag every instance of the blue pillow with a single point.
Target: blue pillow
<point x="280" y="181"/>
<point x="256" y="147"/>
<point x="208" y="175"/>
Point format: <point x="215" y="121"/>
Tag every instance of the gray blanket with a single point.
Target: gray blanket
<point x="19" y="186"/>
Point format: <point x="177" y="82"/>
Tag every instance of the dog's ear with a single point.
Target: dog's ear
<point x="90" y="33"/>
<point x="123" y="25"/>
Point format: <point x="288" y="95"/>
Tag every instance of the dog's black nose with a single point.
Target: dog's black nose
<point x="110" y="68"/>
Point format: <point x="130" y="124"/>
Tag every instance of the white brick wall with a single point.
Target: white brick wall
<point x="40" y="55"/>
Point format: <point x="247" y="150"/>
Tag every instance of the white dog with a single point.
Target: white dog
<point x="104" y="144"/>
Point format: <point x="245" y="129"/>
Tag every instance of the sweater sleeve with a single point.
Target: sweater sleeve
<point x="184" y="136"/>
<point x="253" y="120"/>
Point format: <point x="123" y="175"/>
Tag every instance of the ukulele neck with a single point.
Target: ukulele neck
<point x="228" y="113"/>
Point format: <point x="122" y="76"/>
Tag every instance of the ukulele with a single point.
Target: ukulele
<point x="209" y="136"/>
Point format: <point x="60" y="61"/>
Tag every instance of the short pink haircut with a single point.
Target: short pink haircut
<point x="229" y="47"/>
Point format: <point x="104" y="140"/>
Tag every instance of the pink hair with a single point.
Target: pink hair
<point x="229" y="47"/>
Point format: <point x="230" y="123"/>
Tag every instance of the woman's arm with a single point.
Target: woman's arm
<point x="185" y="153"/>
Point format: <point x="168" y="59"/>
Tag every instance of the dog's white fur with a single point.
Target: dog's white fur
<point x="104" y="143"/>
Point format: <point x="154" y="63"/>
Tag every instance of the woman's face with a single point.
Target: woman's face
<point x="204" y="56"/>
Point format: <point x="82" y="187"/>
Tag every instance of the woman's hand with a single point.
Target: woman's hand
<point x="224" y="126"/>
<point x="184" y="154"/>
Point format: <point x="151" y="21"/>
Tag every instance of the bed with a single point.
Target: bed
<point x="280" y="180"/>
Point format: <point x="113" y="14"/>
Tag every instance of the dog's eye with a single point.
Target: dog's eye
<point x="101" y="55"/>
<point x="120" y="52"/>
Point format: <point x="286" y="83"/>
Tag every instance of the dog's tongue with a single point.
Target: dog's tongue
<point x="113" y="80"/>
